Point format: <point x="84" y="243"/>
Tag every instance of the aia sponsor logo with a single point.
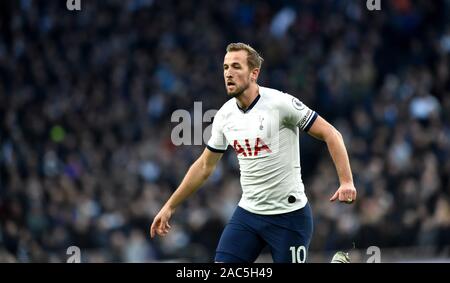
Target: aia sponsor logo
<point x="247" y="150"/>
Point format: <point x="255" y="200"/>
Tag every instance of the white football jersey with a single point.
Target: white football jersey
<point x="265" y="138"/>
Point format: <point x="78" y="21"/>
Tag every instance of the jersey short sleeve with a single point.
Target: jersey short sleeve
<point x="297" y="113"/>
<point x="217" y="142"/>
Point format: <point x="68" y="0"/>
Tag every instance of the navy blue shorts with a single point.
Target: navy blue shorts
<point x="288" y="236"/>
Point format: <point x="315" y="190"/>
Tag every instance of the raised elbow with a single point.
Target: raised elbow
<point x="337" y="133"/>
<point x="206" y="170"/>
<point x="332" y="135"/>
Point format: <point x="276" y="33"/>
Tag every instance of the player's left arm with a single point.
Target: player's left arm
<point x="324" y="131"/>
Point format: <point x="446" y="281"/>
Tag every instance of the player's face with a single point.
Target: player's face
<point x="236" y="72"/>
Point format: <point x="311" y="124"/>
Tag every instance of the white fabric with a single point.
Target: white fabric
<point x="266" y="140"/>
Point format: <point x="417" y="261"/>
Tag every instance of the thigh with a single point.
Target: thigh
<point x="239" y="242"/>
<point x="289" y="236"/>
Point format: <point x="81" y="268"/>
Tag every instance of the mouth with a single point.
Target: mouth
<point x="229" y="83"/>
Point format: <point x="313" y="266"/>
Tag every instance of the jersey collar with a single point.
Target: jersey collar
<point x="251" y="105"/>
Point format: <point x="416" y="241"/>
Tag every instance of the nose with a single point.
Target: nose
<point x="228" y="74"/>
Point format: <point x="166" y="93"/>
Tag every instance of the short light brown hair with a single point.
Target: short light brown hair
<point x="254" y="60"/>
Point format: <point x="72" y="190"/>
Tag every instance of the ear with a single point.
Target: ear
<point x="254" y="74"/>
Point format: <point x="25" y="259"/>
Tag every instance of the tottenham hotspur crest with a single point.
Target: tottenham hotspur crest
<point x="261" y="119"/>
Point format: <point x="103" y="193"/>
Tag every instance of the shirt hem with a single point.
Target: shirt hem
<point x="276" y="211"/>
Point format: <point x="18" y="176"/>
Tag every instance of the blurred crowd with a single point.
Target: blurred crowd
<point x="86" y="98"/>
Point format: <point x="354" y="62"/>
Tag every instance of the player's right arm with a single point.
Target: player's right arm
<point x="197" y="174"/>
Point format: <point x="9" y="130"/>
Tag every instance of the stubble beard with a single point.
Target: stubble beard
<point x="239" y="91"/>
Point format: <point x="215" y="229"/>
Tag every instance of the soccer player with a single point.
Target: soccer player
<point x="262" y="125"/>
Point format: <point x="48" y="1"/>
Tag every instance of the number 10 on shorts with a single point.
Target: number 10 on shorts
<point x="298" y="254"/>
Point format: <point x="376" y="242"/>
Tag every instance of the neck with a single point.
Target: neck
<point x="246" y="98"/>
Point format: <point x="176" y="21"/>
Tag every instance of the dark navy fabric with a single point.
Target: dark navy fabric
<point x="288" y="236"/>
